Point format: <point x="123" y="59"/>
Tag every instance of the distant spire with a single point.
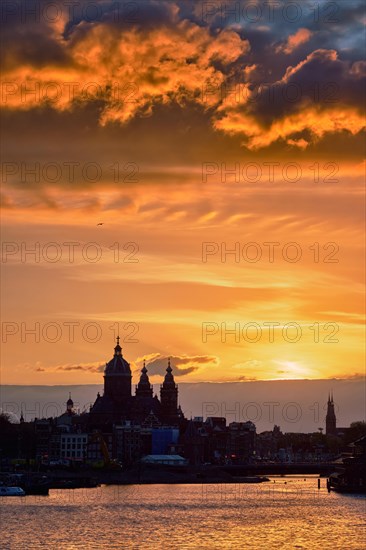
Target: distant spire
<point x="117" y="340"/>
<point x="330" y="419"/>
<point x="69" y="404"/>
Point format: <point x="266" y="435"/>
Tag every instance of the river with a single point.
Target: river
<point x="285" y="513"/>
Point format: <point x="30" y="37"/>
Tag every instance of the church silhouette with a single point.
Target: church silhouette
<point x="117" y="404"/>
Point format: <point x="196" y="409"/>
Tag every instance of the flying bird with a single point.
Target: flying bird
<point x="101" y="223"/>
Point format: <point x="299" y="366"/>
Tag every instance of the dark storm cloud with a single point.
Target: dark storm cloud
<point x="85" y="367"/>
<point x="36" y="31"/>
<point x="338" y="24"/>
<point x="159" y="365"/>
<point x="321" y="78"/>
<point x="145" y="13"/>
<point x="89" y="368"/>
<point x="30" y="46"/>
<point x="31" y="41"/>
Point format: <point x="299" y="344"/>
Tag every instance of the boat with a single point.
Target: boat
<point x="31" y="483"/>
<point x="351" y="478"/>
<point x="350" y="475"/>
<point x="35" y="488"/>
<point x="11" y="492"/>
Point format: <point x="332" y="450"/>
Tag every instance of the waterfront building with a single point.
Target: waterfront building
<point x="241" y="440"/>
<point x="73" y="445"/>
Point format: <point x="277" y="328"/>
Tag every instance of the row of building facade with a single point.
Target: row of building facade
<point x="124" y="427"/>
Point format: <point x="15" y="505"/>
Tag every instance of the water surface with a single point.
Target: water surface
<point x="286" y="513"/>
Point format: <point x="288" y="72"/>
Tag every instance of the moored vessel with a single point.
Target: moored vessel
<point x="11" y="491"/>
<point x="350" y="475"/>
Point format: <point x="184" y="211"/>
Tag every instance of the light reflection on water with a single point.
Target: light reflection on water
<point x="290" y="513"/>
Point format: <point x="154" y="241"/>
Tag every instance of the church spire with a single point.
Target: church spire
<point x="117" y="349"/>
<point x="70" y="405"/>
<point x="169" y="397"/>
<point x="330" y="419"/>
<point x="169" y="381"/>
<point x="144" y="388"/>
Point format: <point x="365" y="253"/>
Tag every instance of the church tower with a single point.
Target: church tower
<point x="144" y="388"/>
<point x="117" y="377"/>
<point x="69" y="405"/>
<point x="330" y="419"/>
<point x="169" y="398"/>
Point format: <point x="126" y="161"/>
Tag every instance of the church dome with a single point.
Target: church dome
<point x="118" y="364"/>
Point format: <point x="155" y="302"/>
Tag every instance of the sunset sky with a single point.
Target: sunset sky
<point x="188" y="131"/>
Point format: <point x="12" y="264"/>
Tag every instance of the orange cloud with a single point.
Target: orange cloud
<point x="300" y="143"/>
<point x="294" y="41"/>
<point x="313" y="119"/>
<point x="130" y="71"/>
